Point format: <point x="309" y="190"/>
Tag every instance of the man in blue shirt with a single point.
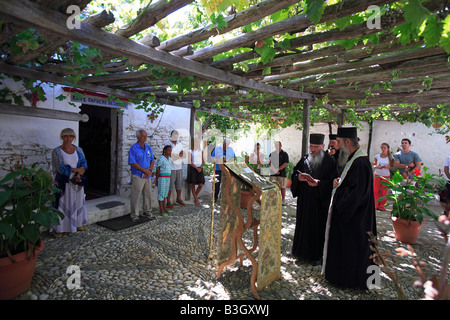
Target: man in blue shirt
<point x="141" y="161"/>
<point x="223" y="153"/>
<point x="406" y="161"/>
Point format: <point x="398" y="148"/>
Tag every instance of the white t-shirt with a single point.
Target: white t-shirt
<point x="176" y="149"/>
<point x="382" y="162"/>
<point x="447" y="164"/>
<point x="196" y="157"/>
<point x="70" y="159"/>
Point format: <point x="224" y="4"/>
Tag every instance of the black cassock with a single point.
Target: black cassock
<point x="353" y="215"/>
<point x="312" y="207"/>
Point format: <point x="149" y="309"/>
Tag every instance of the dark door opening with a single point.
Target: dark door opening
<point x="95" y="140"/>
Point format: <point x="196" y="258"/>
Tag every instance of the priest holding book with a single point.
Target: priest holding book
<point x="312" y="184"/>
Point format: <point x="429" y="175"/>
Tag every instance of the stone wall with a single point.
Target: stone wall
<point x="158" y="134"/>
<point x="31" y="139"/>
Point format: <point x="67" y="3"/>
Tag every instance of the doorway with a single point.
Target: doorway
<point x="95" y="138"/>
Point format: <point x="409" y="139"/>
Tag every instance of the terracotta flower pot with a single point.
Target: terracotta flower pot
<point x="406" y="231"/>
<point x="245" y="197"/>
<point x="16" y="277"/>
<point x="288" y="183"/>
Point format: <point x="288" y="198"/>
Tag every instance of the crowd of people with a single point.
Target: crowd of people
<point x="338" y="191"/>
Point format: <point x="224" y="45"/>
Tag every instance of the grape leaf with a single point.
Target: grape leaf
<point x="314" y="10"/>
<point x="415" y="13"/>
<point x="432" y="32"/>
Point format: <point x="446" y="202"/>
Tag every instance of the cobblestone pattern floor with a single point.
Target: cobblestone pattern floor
<point x="167" y="259"/>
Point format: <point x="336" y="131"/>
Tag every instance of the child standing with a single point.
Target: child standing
<point x="163" y="170"/>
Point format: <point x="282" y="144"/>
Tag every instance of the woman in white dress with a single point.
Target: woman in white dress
<point x="69" y="165"/>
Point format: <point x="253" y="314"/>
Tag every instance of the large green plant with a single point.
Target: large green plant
<point x="26" y="196"/>
<point x="412" y="196"/>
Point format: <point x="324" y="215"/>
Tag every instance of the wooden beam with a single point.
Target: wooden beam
<point x="33" y="74"/>
<point x="293" y="24"/>
<point x="409" y="85"/>
<point x="398" y="56"/>
<point x="53" y="42"/>
<point x="239" y="19"/>
<point x="38" y="17"/>
<point x="151" y="15"/>
<point x="225" y="113"/>
<point x="6" y="108"/>
<point x="418" y="67"/>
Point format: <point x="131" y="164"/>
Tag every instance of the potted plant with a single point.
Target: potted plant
<point x="246" y="194"/>
<point x="289" y="168"/>
<point x="411" y="201"/>
<point x="26" y="196"/>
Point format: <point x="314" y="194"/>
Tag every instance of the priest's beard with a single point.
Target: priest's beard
<point x="316" y="160"/>
<point x="343" y="156"/>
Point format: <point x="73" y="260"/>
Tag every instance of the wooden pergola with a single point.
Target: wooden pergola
<point x="299" y="75"/>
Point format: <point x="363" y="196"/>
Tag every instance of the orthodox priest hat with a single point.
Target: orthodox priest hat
<point x="347" y="132"/>
<point x="332" y="136"/>
<point x="316" y="138"/>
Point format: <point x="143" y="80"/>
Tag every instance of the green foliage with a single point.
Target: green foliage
<point x="415" y="13"/>
<point x="289" y="168"/>
<point x="412" y="196"/>
<point x="26" y="196"/>
<point x="314" y="10"/>
<point x="8" y="96"/>
<point x="222" y="123"/>
<point x="266" y="51"/>
<point x="433" y="28"/>
<point x="445" y="37"/>
<point x="432" y="31"/>
<point x="23" y="42"/>
<point x="218" y="21"/>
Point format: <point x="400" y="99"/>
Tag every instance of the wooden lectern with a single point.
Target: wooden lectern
<point x="232" y="224"/>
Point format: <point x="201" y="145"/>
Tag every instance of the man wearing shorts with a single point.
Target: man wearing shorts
<point x="278" y="160"/>
<point x="176" y="176"/>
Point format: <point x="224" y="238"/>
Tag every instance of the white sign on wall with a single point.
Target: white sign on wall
<point x="99" y="101"/>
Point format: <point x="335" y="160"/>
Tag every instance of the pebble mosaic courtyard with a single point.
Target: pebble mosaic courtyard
<point x="167" y="259"/>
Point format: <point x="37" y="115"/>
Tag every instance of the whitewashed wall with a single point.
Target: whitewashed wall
<point x="158" y="133"/>
<point x="425" y="141"/>
<point x="33" y="138"/>
<point x="30" y="138"/>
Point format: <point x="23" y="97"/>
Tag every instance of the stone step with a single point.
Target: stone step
<point x="106" y="208"/>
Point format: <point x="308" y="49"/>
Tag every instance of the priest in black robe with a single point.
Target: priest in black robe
<point x="312" y="183"/>
<point x="351" y="216"/>
<point x="333" y="150"/>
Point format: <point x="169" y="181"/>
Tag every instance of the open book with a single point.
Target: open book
<point x="248" y="175"/>
<point x="306" y="176"/>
